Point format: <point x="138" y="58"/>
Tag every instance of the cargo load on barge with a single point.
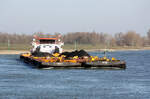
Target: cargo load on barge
<point x="48" y="53"/>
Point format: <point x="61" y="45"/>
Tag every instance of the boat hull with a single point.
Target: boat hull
<point x="85" y="65"/>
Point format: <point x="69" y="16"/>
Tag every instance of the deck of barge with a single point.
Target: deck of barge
<point x="67" y="65"/>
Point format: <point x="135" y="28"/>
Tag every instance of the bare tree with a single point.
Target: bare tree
<point x="148" y="36"/>
<point x="119" y="37"/>
<point x="131" y="38"/>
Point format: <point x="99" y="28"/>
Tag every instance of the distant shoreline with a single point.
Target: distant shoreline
<point x="12" y="51"/>
<point x="88" y="50"/>
<point x="112" y="50"/>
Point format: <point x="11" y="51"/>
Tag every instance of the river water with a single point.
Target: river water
<point x="20" y="81"/>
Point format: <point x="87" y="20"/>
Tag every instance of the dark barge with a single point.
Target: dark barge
<point x="38" y="63"/>
<point x="48" y="53"/>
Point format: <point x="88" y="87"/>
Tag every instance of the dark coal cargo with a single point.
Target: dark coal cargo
<point x="80" y="53"/>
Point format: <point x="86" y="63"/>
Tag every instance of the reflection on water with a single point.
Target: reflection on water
<point x="20" y="81"/>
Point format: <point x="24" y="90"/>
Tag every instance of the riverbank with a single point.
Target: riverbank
<point x="12" y="51"/>
<point x="121" y="49"/>
<point x="88" y="50"/>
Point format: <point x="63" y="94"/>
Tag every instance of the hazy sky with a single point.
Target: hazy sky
<point x="109" y="16"/>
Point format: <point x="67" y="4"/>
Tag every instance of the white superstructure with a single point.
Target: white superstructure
<point x="47" y="45"/>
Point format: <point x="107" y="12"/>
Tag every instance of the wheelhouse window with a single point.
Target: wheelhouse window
<point x="47" y="41"/>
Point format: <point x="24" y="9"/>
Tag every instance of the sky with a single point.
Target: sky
<point x="49" y="16"/>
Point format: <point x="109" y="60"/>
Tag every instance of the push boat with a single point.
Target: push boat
<point x="48" y="53"/>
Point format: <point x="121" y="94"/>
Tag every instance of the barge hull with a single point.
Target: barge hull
<point x="69" y="65"/>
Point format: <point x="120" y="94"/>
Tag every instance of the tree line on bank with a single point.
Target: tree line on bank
<point x="130" y="38"/>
